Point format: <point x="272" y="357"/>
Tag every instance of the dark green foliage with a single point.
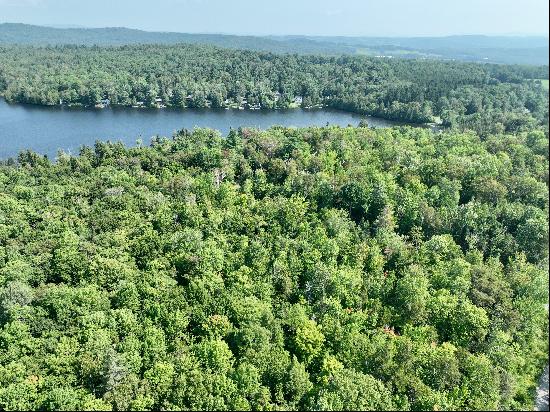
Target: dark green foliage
<point x="488" y="99"/>
<point x="319" y="268"/>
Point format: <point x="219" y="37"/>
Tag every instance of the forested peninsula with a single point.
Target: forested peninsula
<point x="484" y="98"/>
<point x="288" y="269"/>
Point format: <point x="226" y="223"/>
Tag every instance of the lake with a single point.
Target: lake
<point x="49" y="129"/>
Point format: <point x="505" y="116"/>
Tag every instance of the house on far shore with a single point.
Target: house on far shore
<point x="103" y="103"/>
<point x="158" y="103"/>
<point x="298" y="99"/>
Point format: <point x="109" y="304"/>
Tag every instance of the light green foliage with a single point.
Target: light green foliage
<point x="309" y="341"/>
<point x="288" y="269"/>
<point x="350" y="390"/>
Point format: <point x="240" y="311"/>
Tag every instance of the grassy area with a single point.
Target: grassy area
<point x="544" y="83"/>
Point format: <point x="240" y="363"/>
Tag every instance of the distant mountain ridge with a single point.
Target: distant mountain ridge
<point x="531" y="50"/>
<point x="455" y="41"/>
<point x="16" y="33"/>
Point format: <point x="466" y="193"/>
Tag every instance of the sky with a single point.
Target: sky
<point x="280" y="17"/>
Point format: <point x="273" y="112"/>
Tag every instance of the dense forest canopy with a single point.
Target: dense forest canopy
<point x="296" y="269"/>
<point x="319" y="268"/>
<point x="486" y="49"/>
<point x="484" y="98"/>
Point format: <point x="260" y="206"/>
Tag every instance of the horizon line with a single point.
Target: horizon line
<point x="80" y="27"/>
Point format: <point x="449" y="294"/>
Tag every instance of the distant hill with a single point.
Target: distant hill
<point x="494" y="49"/>
<point x="531" y="50"/>
<point x="14" y="33"/>
<point x="452" y="42"/>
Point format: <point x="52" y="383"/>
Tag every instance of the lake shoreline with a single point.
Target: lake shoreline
<point x="48" y="129"/>
<point x="436" y="123"/>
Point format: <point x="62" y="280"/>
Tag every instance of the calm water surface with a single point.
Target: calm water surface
<point x="49" y="129"/>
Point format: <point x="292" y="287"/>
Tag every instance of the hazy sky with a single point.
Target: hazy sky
<point x="315" y="17"/>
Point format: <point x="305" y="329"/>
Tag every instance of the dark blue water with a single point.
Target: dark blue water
<point x="47" y="130"/>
